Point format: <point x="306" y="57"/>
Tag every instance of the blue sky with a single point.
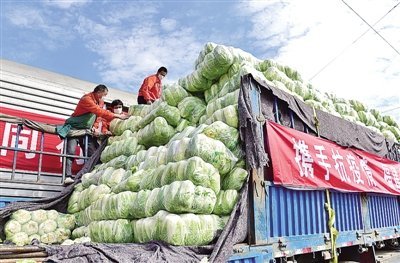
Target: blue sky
<point x="118" y="43"/>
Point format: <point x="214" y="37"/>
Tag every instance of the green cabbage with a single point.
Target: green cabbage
<point x="390" y="120"/>
<point x="191" y="109"/>
<point x="223" y="132"/>
<point x="139" y="205"/>
<point x="184" y="196"/>
<point x="49" y="238"/>
<point x="183" y="124"/>
<point x="216" y="63"/>
<point x="220" y="103"/>
<point x="157" y="133"/>
<point x="367" y="118"/>
<point x="47" y="226"/>
<point x="21" y="215"/>
<point x="169" y="113"/>
<point x="177" y="150"/>
<point x="376" y="114"/>
<point x="213" y="152"/>
<point x="193" y="169"/>
<point x="52" y="214"/>
<point x="228" y="115"/>
<point x="40" y="215"/>
<point x="125" y="147"/>
<point x="62" y="234"/>
<point x="20" y="239"/>
<point x="66" y="221"/>
<point x="30" y="228"/>
<point x="173" y="94"/>
<point x="11" y="228"/>
<point x="226" y="200"/>
<point x="132" y="183"/>
<point x="235" y="179"/>
<point x="357" y="105"/>
<point x="112" y="179"/>
<point x="82" y="231"/>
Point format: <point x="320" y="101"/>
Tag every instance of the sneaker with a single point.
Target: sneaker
<point x="68" y="181"/>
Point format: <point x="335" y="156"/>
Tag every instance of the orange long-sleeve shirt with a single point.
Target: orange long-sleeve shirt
<point x="151" y="88"/>
<point x="105" y="125"/>
<point x="89" y="103"/>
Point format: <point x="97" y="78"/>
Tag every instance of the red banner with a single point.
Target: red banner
<point x="303" y="160"/>
<point x="30" y="140"/>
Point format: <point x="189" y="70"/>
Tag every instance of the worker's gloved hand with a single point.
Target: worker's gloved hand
<point x="108" y="133"/>
<point x="148" y="102"/>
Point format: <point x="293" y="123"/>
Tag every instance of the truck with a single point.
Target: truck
<point x="292" y="211"/>
<point x="43" y="96"/>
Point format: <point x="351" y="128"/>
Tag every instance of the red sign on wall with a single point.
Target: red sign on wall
<point x="303" y="160"/>
<point x="30" y="140"/>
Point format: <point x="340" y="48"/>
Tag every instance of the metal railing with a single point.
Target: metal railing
<point x="41" y="152"/>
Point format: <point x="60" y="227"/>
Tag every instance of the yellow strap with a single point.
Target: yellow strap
<point x="332" y="230"/>
<point x="316" y="121"/>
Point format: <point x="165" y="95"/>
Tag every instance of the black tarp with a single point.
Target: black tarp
<point x="328" y="126"/>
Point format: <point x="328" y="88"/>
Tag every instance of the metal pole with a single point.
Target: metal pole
<point x="86" y="146"/>
<point x="276" y="110"/>
<point x="64" y="159"/>
<point x="19" y="128"/>
<point x="40" y="157"/>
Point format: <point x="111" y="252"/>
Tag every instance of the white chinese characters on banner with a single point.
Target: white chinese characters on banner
<point x="339" y="166"/>
<point x="368" y="172"/>
<point x="321" y="160"/>
<point x="355" y="170"/>
<point x="27" y="140"/>
<point x="303" y="158"/>
<point x="396" y="178"/>
<point x="387" y="175"/>
<point x="358" y="167"/>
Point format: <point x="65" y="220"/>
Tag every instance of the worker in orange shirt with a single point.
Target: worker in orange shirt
<point x="151" y="87"/>
<point x="89" y="107"/>
<point x="102" y="126"/>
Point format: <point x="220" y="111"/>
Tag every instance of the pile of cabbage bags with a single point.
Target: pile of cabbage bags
<point x="49" y="227"/>
<point x="180" y="163"/>
<point x="174" y="169"/>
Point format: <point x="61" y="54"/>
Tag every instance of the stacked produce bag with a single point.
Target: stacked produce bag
<point x="49" y="227"/>
<point x="174" y="169"/>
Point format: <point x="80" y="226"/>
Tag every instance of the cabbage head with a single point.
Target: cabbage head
<point x="12" y="227"/>
<point x="21" y="215"/>
<point x="66" y="221"/>
<point x="226" y="200"/>
<point x="20" y="239"/>
<point x="30" y="228"/>
<point x="52" y="214"/>
<point x="40" y="215"/>
<point x="47" y="227"/>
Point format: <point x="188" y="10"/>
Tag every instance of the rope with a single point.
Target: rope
<point x="316" y="121"/>
<point x="332" y="230"/>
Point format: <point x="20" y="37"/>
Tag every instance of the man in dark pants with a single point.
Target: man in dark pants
<point x="89" y="107"/>
<point x="151" y="87"/>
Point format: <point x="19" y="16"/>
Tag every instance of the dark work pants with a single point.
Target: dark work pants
<point x="141" y="100"/>
<point x="71" y="146"/>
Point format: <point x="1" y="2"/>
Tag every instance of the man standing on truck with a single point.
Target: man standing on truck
<point x="89" y="107"/>
<point x="151" y="87"/>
